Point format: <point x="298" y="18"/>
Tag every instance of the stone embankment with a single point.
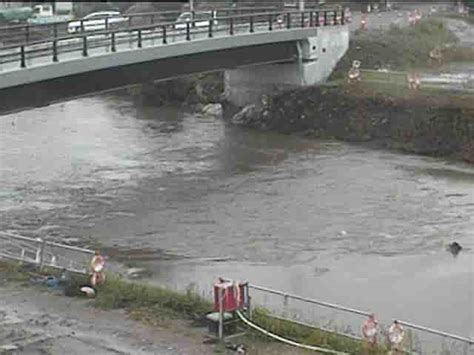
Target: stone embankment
<point x="436" y="124"/>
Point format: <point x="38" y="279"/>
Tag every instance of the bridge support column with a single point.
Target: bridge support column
<point x="317" y="59"/>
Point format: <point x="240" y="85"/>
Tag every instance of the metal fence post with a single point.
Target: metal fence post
<point x="112" y="44"/>
<point x="55" y="51"/>
<point x="27" y="33"/>
<point x="84" y="46"/>
<point x="325" y="18"/>
<point x="251" y="24"/>
<point x="317" y="19"/>
<point x="210" y="28"/>
<point x="188" y="28"/>
<point x="335" y="17"/>
<point x="343" y="15"/>
<point x="270" y="22"/>
<point x="82" y="25"/>
<point x="164" y="34"/>
<point x="22" y="57"/>
<point x="221" y="313"/>
<point x="139" y="38"/>
<point x="311" y="19"/>
<point x="41" y="259"/>
<point x="288" y="20"/>
<point x="231" y="26"/>
<point x="302" y="19"/>
<point x="106" y="23"/>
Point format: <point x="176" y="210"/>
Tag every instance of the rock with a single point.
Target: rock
<point x="454" y="248"/>
<point x="71" y="241"/>
<point x="136" y="272"/>
<point x="248" y="114"/>
<point x="212" y="110"/>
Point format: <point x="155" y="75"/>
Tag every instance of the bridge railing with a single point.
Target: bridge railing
<point x="347" y="322"/>
<point x="86" y="44"/>
<point x="28" y="33"/>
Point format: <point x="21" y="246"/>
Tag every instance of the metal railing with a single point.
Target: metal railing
<point x="165" y="33"/>
<point x="346" y="321"/>
<point x="43" y="253"/>
<point x="27" y="33"/>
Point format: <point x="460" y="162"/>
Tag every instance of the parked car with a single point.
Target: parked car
<point x="97" y="21"/>
<point x="201" y="19"/>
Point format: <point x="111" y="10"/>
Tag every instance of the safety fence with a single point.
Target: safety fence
<point x="347" y="322"/>
<point x="43" y="253"/>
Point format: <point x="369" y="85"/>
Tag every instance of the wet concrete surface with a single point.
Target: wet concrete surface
<point x="36" y="321"/>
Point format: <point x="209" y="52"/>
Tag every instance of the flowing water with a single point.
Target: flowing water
<point x="338" y="222"/>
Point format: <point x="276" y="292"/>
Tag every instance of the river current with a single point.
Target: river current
<point x="342" y="223"/>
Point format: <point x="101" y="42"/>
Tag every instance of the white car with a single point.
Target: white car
<point x="97" y="21"/>
<point x="201" y="19"/>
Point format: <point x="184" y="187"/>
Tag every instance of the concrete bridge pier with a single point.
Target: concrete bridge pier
<point x="317" y="58"/>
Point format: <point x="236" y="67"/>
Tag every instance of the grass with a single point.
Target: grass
<point x="310" y="335"/>
<point x="120" y="293"/>
<point x="401" y="48"/>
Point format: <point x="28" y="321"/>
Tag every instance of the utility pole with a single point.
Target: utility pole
<point x="191" y="8"/>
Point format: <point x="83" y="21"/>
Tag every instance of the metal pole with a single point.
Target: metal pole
<point x="221" y="313"/>
<point x="41" y="260"/>
<point x="22" y="57"/>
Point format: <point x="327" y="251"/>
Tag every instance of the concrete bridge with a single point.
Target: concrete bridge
<point x="258" y="51"/>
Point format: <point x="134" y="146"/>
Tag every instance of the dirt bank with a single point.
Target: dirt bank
<point x="435" y="124"/>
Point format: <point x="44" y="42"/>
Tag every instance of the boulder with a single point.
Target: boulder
<point x="212" y="110"/>
<point x="247" y="115"/>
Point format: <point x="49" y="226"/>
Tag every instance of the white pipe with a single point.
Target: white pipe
<point x="286" y="341"/>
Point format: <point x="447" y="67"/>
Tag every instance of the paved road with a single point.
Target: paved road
<point x="383" y="20"/>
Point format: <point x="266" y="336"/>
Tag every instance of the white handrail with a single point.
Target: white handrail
<point x="467" y="340"/>
<point x="287" y="341"/>
<point x="309" y="300"/>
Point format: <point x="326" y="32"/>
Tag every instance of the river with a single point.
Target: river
<point x="338" y="222"/>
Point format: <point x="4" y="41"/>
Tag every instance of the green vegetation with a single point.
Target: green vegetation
<point x="120" y="293"/>
<point x="401" y="48"/>
<point x="309" y="335"/>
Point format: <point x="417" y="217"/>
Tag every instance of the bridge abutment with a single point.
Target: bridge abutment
<point x="316" y="60"/>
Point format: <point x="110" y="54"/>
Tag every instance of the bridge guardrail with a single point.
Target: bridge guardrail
<point x="347" y="321"/>
<point x="166" y="32"/>
<point x="27" y="33"/>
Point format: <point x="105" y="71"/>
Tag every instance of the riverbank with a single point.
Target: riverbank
<point x="428" y="122"/>
<point x="169" y="317"/>
<point x="379" y="111"/>
<point x="434" y="123"/>
<point x="403" y="48"/>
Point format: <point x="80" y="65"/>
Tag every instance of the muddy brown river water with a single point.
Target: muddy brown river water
<point x="338" y="222"/>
